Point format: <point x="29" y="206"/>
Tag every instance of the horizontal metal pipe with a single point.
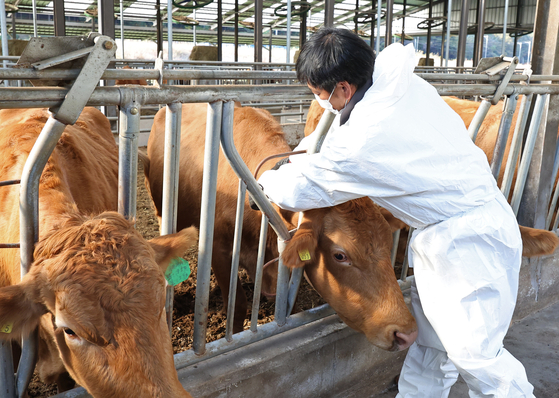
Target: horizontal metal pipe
<point x="25" y="97"/>
<point x="194" y="74"/>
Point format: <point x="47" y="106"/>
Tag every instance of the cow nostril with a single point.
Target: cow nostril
<point x="404" y="340"/>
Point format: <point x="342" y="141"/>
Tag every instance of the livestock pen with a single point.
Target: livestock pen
<point x="311" y="353"/>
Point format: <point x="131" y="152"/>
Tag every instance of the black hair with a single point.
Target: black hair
<point x="335" y="55"/>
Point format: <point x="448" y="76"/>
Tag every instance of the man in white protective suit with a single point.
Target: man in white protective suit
<point x="396" y="141"/>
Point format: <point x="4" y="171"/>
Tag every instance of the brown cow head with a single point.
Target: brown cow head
<point x="97" y="282"/>
<point x="349" y="247"/>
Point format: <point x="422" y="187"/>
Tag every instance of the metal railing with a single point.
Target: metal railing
<point x="130" y="100"/>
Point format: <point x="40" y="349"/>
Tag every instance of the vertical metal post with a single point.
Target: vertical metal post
<point x="448" y="22"/>
<point x="259" y="271"/>
<point x="379" y="7"/>
<point x="480" y="114"/>
<point x="428" y="49"/>
<point x="237" y="30"/>
<point x="128" y="131"/>
<point x="59" y="22"/>
<point x="234" y="274"/>
<point x="219" y="30"/>
<point x="463" y="33"/>
<point x="159" y="27"/>
<point x="505" y="20"/>
<point x="388" y="22"/>
<point x="329" y="13"/>
<point x="527" y="155"/>
<point x="404" y="22"/>
<point x="545" y="61"/>
<point x="280" y="314"/>
<point x="35" y="32"/>
<point x="478" y="45"/>
<point x="29" y="229"/>
<point x="4" y="31"/>
<point x="503" y="134"/>
<point x="207" y="217"/>
<point x="170" y="29"/>
<point x="288" y="34"/>
<point x="170" y="198"/>
<point x="106" y="17"/>
<point x="7" y="381"/>
<point x="258" y="8"/>
<point x="158" y="16"/>
<point x="194" y="30"/>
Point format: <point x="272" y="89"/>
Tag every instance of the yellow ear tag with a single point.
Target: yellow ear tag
<point x="7" y="327"/>
<point x="304" y="255"/>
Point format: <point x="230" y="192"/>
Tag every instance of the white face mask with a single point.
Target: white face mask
<point x="327" y="105"/>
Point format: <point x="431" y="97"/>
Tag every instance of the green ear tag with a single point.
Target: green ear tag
<point x="304" y="255"/>
<point x="7" y="327"/>
<point x="178" y="271"/>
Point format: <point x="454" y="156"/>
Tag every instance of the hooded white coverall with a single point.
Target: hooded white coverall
<point x="410" y="153"/>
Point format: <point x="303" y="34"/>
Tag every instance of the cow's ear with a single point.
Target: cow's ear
<point x="170" y="246"/>
<point x="19" y="313"/>
<point x="537" y="242"/>
<point x="393" y="222"/>
<point x="301" y="249"/>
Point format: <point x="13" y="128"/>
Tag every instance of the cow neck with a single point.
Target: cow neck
<point x="358" y="96"/>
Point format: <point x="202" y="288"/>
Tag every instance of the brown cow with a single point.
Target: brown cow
<point x="349" y="244"/>
<point x="95" y="288"/>
<point x="122" y="82"/>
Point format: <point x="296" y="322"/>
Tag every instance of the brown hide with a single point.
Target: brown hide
<point x="257" y="135"/>
<point x="535" y="242"/>
<point x="94" y="289"/>
<point x="122" y="82"/>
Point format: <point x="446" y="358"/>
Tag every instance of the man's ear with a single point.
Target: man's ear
<point x="301" y="249"/>
<point x="19" y="314"/>
<point x="168" y="247"/>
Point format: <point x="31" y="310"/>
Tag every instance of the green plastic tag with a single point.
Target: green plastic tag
<point x="178" y="271"/>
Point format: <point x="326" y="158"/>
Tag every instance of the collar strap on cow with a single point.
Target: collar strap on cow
<point x="358" y="96"/>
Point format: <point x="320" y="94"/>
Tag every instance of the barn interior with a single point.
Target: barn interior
<point x="223" y="50"/>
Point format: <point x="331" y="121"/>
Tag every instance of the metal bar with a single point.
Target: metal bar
<point x="170" y="29"/>
<point x="322" y="129"/>
<point x="50" y="62"/>
<point x="219" y="30"/>
<point x="288" y="34"/>
<point x="9" y="182"/>
<point x="505" y="21"/>
<point x="7" y="370"/>
<point x="4" y="31"/>
<point x="388" y="22"/>
<point x="170" y="197"/>
<point x="478" y="118"/>
<point x="503" y="134"/>
<point x="329" y="13"/>
<point x="282" y="289"/>
<point x="241" y="195"/>
<point x="129" y="129"/>
<point x="259" y="271"/>
<point x="377" y="44"/>
<point x="158" y="16"/>
<point x="106" y="17"/>
<point x="463" y="33"/>
<point x="29" y="227"/>
<point x="448" y="22"/>
<point x="34" y="5"/>
<point x="59" y="19"/>
<point x="528" y="151"/>
<point x="405" y="265"/>
<point x="394" y="251"/>
<point x="293" y="288"/>
<point x="236" y="39"/>
<point x="516" y="144"/>
<point x="207" y="217"/>
<point x="258" y="8"/>
<point x="478" y="45"/>
<point x="428" y="48"/>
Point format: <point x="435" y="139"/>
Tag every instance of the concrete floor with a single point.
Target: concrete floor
<point x="535" y="342"/>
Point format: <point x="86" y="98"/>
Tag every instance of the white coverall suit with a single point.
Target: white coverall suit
<point x="410" y="153"/>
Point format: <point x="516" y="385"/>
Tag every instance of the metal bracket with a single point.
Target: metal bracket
<point x="494" y="66"/>
<point x="92" y="53"/>
<point x="159" y="66"/>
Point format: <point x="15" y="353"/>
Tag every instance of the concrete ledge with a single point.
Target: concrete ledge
<point x="321" y="359"/>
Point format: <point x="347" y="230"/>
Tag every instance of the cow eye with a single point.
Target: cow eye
<point x="341" y="257"/>
<point x="69" y="332"/>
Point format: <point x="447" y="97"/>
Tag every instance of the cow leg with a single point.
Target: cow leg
<point x="222" y="275"/>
